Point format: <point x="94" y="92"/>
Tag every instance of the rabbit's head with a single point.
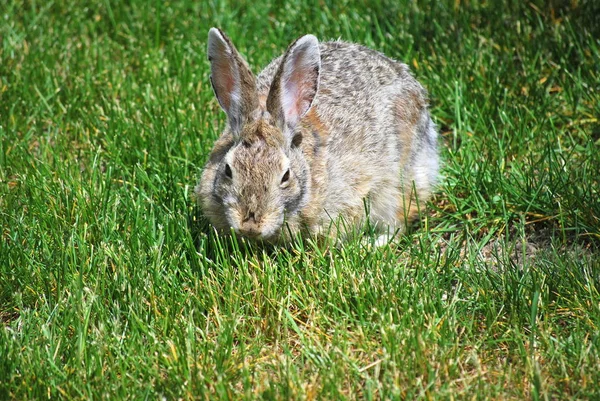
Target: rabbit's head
<point x="257" y="175"/>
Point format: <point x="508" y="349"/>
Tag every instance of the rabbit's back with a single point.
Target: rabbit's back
<point x="369" y="105"/>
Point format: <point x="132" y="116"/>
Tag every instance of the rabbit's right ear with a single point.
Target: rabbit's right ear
<point x="232" y="81"/>
<point x="296" y="82"/>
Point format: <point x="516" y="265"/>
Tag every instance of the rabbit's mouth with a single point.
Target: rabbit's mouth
<point x="258" y="236"/>
<point x="250" y="233"/>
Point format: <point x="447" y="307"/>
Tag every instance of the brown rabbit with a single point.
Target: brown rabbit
<point x="321" y="132"/>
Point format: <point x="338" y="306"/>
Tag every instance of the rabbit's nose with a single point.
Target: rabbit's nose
<point x="250" y="227"/>
<point x="251" y="216"/>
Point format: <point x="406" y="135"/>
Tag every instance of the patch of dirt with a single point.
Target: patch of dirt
<point x="7" y="316"/>
<point x="528" y="250"/>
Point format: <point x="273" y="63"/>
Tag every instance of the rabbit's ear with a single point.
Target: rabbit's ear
<point x="232" y="81"/>
<point x="296" y="82"/>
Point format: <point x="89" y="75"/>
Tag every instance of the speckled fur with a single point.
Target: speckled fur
<point x="367" y="136"/>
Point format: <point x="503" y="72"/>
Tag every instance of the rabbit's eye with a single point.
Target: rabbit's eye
<point x="228" y="172"/>
<point x="297" y="140"/>
<point x="286" y="177"/>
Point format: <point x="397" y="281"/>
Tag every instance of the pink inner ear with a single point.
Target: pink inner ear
<point x="298" y="90"/>
<point x="223" y="81"/>
<point x="290" y="100"/>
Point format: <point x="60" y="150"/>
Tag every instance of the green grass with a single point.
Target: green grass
<point x="107" y="290"/>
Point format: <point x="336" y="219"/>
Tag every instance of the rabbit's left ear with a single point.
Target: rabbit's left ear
<point x="296" y="82"/>
<point x="232" y="81"/>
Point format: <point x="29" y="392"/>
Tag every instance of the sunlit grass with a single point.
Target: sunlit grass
<point x="111" y="286"/>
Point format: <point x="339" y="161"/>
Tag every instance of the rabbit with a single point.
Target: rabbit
<point x="329" y="132"/>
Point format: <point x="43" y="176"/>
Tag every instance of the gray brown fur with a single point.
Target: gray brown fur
<point x="367" y="135"/>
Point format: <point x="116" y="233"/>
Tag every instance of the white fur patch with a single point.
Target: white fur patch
<point x="425" y="170"/>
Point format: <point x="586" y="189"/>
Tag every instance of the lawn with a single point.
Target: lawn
<point x="113" y="287"/>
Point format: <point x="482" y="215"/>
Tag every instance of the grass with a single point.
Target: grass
<point x="108" y="291"/>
